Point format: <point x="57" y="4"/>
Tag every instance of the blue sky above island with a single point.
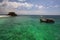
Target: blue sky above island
<point x="31" y="7"/>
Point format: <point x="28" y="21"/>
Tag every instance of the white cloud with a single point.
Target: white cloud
<point x="39" y="6"/>
<point x="13" y="4"/>
<point x="10" y="6"/>
<point x="28" y="5"/>
<point x="25" y="5"/>
<point x="56" y="6"/>
<point x="53" y="6"/>
<point x="22" y="0"/>
<point x="16" y="5"/>
<point x="0" y="4"/>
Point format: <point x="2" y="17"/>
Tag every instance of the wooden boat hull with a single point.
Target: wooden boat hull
<point x="47" y="20"/>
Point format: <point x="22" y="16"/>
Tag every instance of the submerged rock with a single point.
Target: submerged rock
<point x="12" y="14"/>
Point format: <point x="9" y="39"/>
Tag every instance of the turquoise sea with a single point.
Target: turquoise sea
<point x="29" y="28"/>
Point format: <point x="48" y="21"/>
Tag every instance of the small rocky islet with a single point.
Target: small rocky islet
<point x="12" y="14"/>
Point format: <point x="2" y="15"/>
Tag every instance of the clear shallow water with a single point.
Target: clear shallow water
<point x="29" y="28"/>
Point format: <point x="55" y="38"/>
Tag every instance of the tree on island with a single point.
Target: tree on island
<point x="12" y="14"/>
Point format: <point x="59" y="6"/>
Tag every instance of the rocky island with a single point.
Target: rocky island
<point x="12" y="14"/>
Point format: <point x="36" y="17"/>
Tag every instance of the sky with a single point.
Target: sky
<point x="30" y="7"/>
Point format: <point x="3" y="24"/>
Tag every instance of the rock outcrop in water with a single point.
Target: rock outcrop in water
<point x="12" y="14"/>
